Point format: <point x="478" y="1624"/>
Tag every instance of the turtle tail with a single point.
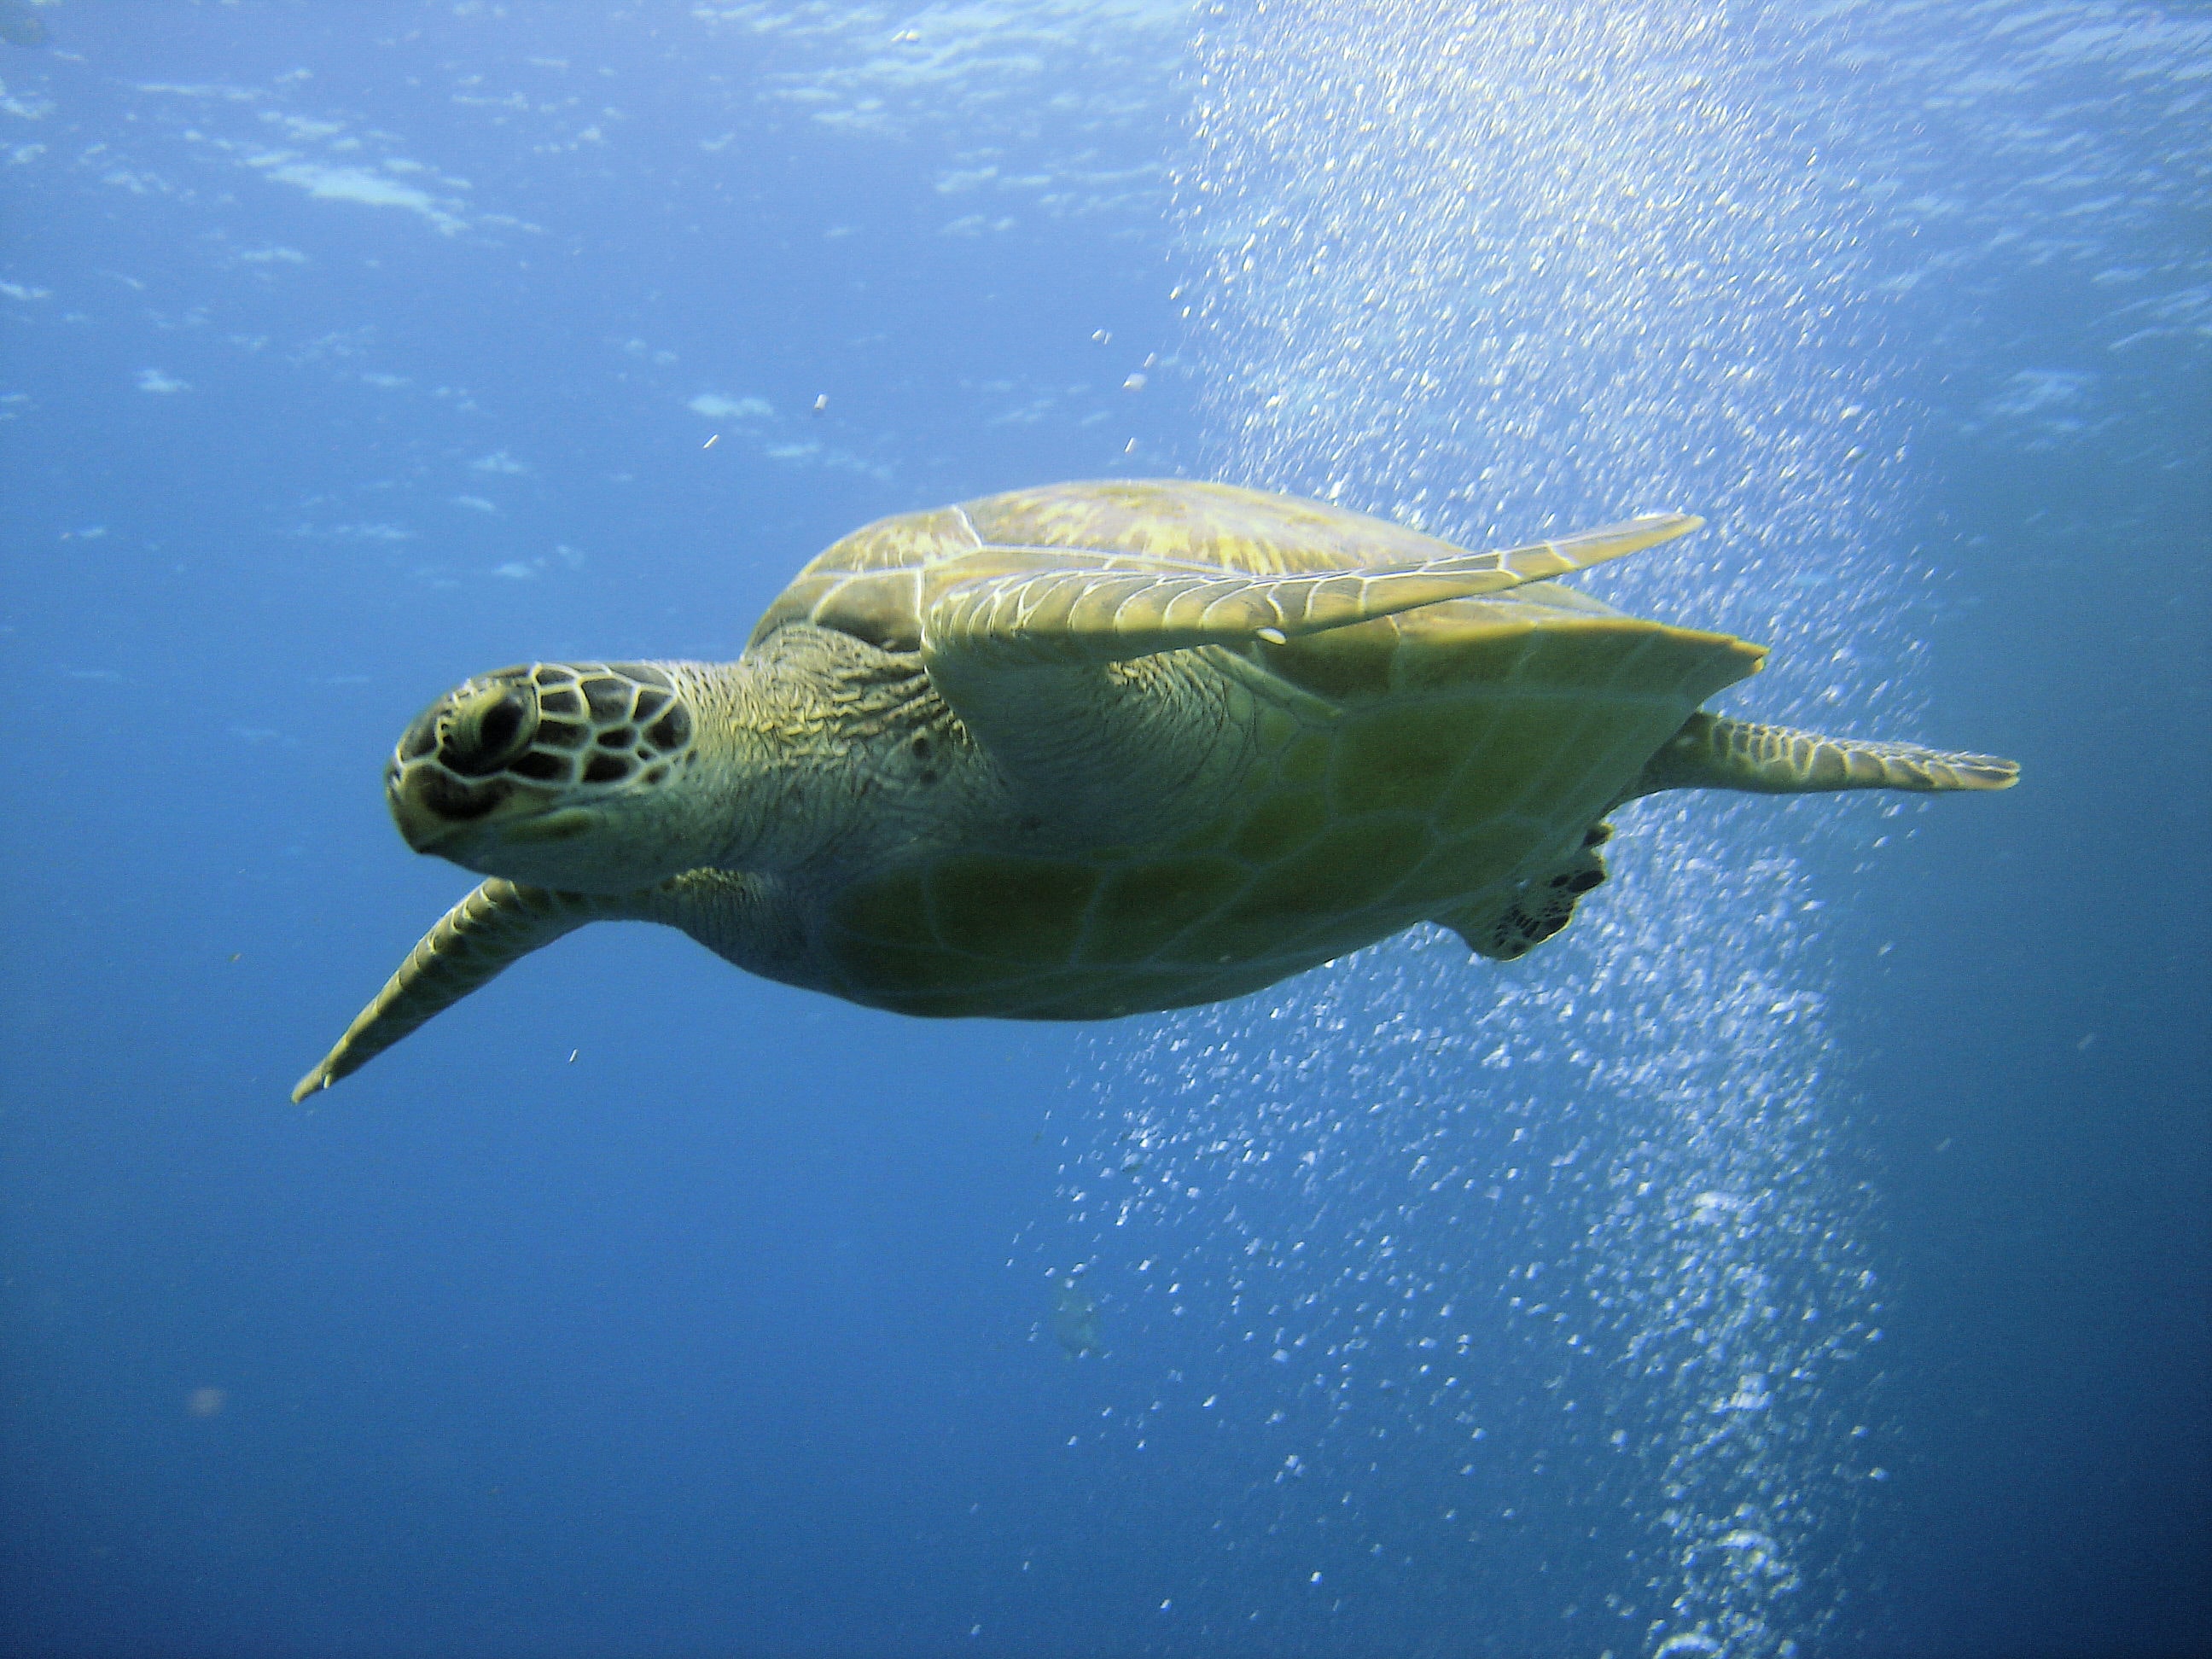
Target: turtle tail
<point x="1713" y="751"/>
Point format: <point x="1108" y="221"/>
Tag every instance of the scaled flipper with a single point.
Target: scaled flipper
<point x="1713" y="751"/>
<point x="492" y="928"/>
<point x="1040" y="612"/>
<point x="1540" y="908"/>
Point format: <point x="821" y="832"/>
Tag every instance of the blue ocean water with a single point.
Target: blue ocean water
<point x="1807" y="1253"/>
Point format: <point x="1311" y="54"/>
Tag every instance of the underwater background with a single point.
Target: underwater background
<point x="1807" y="1253"/>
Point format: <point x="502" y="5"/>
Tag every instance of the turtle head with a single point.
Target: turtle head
<point x="565" y="776"/>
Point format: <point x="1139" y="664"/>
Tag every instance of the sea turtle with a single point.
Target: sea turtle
<point x="1091" y="750"/>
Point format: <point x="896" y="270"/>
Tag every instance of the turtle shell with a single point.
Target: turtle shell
<point x="869" y="584"/>
<point x="1450" y="762"/>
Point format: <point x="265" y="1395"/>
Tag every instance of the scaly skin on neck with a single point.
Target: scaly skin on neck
<point x="818" y="754"/>
<point x="801" y="744"/>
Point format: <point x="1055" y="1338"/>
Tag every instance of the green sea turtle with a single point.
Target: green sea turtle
<point x="1091" y="750"/>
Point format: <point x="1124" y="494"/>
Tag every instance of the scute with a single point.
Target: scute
<point x="1218" y="526"/>
<point x="1027" y="911"/>
<point x="1144" y="905"/>
<point x="1356" y="864"/>
<point x="866" y="580"/>
<point x="868" y="584"/>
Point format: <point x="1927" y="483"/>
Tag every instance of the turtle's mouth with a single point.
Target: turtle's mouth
<point x="466" y="822"/>
<point x="432" y="808"/>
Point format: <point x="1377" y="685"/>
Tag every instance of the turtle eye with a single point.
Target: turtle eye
<point x="488" y="726"/>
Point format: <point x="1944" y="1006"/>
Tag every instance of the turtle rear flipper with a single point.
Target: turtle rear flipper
<point x="1713" y="751"/>
<point x="1537" y="911"/>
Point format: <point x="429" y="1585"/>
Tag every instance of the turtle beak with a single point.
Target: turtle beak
<point x="432" y="808"/>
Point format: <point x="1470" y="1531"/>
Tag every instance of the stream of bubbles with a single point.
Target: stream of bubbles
<point x="1554" y="1263"/>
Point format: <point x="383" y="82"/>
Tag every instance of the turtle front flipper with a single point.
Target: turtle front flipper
<point x="1713" y="751"/>
<point x="1016" y="608"/>
<point x="495" y="926"/>
<point x="1078" y="674"/>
